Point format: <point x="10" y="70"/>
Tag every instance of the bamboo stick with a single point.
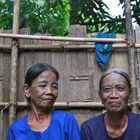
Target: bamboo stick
<point x="131" y="53"/>
<point x="69" y="46"/>
<point x="60" y="46"/>
<point x="88" y="104"/>
<point x="56" y="38"/>
<point x="61" y="104"/>
<point x="14" y="61"/>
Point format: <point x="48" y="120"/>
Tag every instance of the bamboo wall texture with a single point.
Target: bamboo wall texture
<point x="79" y="72"/>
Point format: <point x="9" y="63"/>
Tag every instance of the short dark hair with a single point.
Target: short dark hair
<point x="118" y="71"/>
<point x="36" y="69"/>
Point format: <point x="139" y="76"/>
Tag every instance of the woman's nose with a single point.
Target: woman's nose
<point x="114" y="93"/>
<point x="48" y="89"/>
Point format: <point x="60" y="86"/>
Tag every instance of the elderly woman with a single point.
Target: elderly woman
<point x="116" y="123"/>
<point x="43" y="122"/>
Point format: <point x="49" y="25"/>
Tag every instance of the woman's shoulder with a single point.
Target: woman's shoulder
<point x="94" y="120"/>
<point x="19" y="122"/>
<point x="62" y="114"/>
<point x="133" y="116"/>
<point x="63" y="117"/>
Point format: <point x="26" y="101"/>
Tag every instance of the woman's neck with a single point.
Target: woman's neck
<point x="116" y="123"/>
<point x="39" y="121"/>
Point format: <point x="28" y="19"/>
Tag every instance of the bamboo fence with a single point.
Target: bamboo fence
<point x="127" y="44"/>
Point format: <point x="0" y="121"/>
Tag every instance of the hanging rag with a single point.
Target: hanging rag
<point x="103" y="50"/>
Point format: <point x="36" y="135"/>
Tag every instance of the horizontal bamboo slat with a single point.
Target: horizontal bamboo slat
<point x="60" y="46"/>
<point x="60" y="104"/>
<point x="65" y="105"/>
<point x="56" y="38"/>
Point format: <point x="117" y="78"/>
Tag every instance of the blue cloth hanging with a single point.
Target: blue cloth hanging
<point x="103" y="50"/>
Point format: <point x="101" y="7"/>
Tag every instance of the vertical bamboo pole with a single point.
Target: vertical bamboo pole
<point x="14" y="61"/>
<point x="131" y="52"/>
<point x="1" y="88"/>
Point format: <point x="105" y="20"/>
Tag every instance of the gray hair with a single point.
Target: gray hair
<point x="118" y="71"/>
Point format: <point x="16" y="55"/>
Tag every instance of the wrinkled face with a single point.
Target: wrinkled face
<point x="44" y="90"/>
<point x="114" y="92"/>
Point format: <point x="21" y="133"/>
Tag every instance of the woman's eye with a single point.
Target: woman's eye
<point x="55" y="86"/>
<point x="42" y="86"/>
<point x="106" y="89"/>
<point x="120" y="88"/>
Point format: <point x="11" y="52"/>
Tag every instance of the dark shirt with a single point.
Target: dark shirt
<point x="94" y="129"/>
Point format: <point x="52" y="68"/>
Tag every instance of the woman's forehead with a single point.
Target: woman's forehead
<point x="114" y="77"/>
<point x="47" y="74"/>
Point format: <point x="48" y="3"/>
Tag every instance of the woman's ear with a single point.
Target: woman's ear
<point x="26" y="90"/>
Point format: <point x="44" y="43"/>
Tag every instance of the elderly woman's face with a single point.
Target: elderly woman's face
<point x="44" y="90"/>
<point x="114" y="92"/>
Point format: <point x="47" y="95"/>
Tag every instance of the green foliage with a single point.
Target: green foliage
<point x="89" y="11"/>
<point x="95" y="15"/>
<point x="40" y="16"/>
<point x="6" y="14"/>
<point x="52" y="16"/>
<point x="135" y="6"/>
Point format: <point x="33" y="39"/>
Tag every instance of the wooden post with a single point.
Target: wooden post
<point x="131" y="53"/>
<point x="14" y="61"/>
<point x="1" y="88"/>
